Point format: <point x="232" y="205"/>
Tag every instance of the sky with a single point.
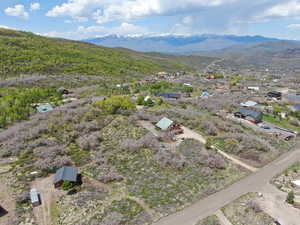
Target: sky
<point x="82" y="19"/>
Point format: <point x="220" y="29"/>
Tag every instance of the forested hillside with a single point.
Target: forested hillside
<point x="23" y="52"/>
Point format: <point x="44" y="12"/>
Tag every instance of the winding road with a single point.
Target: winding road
<point x="253" y="183"/>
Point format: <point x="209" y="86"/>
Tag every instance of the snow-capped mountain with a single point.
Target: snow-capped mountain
<point x="176" y="43"/>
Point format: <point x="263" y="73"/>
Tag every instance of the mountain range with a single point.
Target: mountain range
<point x="177" y="44"/>
<point x="238" y="50"/>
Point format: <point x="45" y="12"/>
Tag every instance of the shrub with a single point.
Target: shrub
<point x="67" y="185"/>
<point x="89" y="142"/>
<point x="216" y="161"/>
<point x="254" y="206"/>
<point x="290" y="198"/>
<point x="168" y="158"/>
<point x="209" y="128"/>
<point x="111" y="176"/>
<point x="209" y="143"/>
<point x="23" y="197"/>
<point x="150" y="141"/>
<point x="140" y="100"/>
<point x="231" y="144"/>
<point x="131" y="145"/>
<point x="149" y="102"/>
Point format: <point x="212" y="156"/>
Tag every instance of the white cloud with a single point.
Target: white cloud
<point x="84" y="32"/>
<point x="105" y="10"/>
<point x="184" y="16"/>
<point x="123" y="29"/>
<point x="18" y="11"/>
<point x="76" y="8"/>
<point x="188" y="20"/>
<point x="77" y="20"/>
<point x="293" y="26"/>
<point x="6" y="27"/>
<point x="35" y="6"/>
<point x="286" y="9"/>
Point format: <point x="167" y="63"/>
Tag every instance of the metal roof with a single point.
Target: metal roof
<point x="44" y="108"/>
<point x="66" y="173"/>
<point x="164" y="123"/>
<point x="34" y="196"/>
<point x="275" y="93"/>
<point x="249" y="103"/>
<point x="294" y="97"/>
<point x="169" y="95"/>
<point x="296" y="107"/>
<point x="251" y="113"/>
<point x="205" y="94"/>
<point x="253" y="88"/>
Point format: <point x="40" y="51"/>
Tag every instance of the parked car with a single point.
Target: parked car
<point x="288" y="138"/>
<point x="266" y="127"/>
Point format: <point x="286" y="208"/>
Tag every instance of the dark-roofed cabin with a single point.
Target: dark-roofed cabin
<point x="169" y="95"/>
<point x="250" y="115"/>
<point x="66" y="173"/>
<point x="275" y="94"/>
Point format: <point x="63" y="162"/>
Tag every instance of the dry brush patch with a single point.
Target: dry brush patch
<point x="211" y="220"/>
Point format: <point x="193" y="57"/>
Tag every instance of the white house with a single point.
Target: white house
<point x="249" y="104"/>
<point x="296" y="183"/>
<point x="253" y="88"/>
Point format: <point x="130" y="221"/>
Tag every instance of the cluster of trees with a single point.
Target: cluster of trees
<point x="164" y="86"/>
<point x="16" y="105"/>
<point x="116" y="104"/>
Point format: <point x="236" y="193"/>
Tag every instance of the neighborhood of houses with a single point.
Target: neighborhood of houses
<point x="251" y="113"/>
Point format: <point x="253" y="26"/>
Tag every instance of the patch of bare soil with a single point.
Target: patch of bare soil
<point x="273" y="203"/>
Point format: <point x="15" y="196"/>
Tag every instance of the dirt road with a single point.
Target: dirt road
<point x="236" y="161"/>
<point x="188" y="133"/>
<point x="48" y="195"/>
<point x="7" y="203"/>
<point x="253" y="183"/>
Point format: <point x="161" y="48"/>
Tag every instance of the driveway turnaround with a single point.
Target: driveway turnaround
<point x="253" y="183"/>
<point x="273" y="203"/>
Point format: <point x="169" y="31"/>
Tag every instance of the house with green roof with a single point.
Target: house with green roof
<point x="44" y="108"/>
<point x="165" y="124"/>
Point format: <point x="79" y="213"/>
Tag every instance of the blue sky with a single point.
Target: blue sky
<point x="79" y="19"/>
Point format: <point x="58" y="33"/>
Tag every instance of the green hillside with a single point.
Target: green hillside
<point x="27" y="53"/>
